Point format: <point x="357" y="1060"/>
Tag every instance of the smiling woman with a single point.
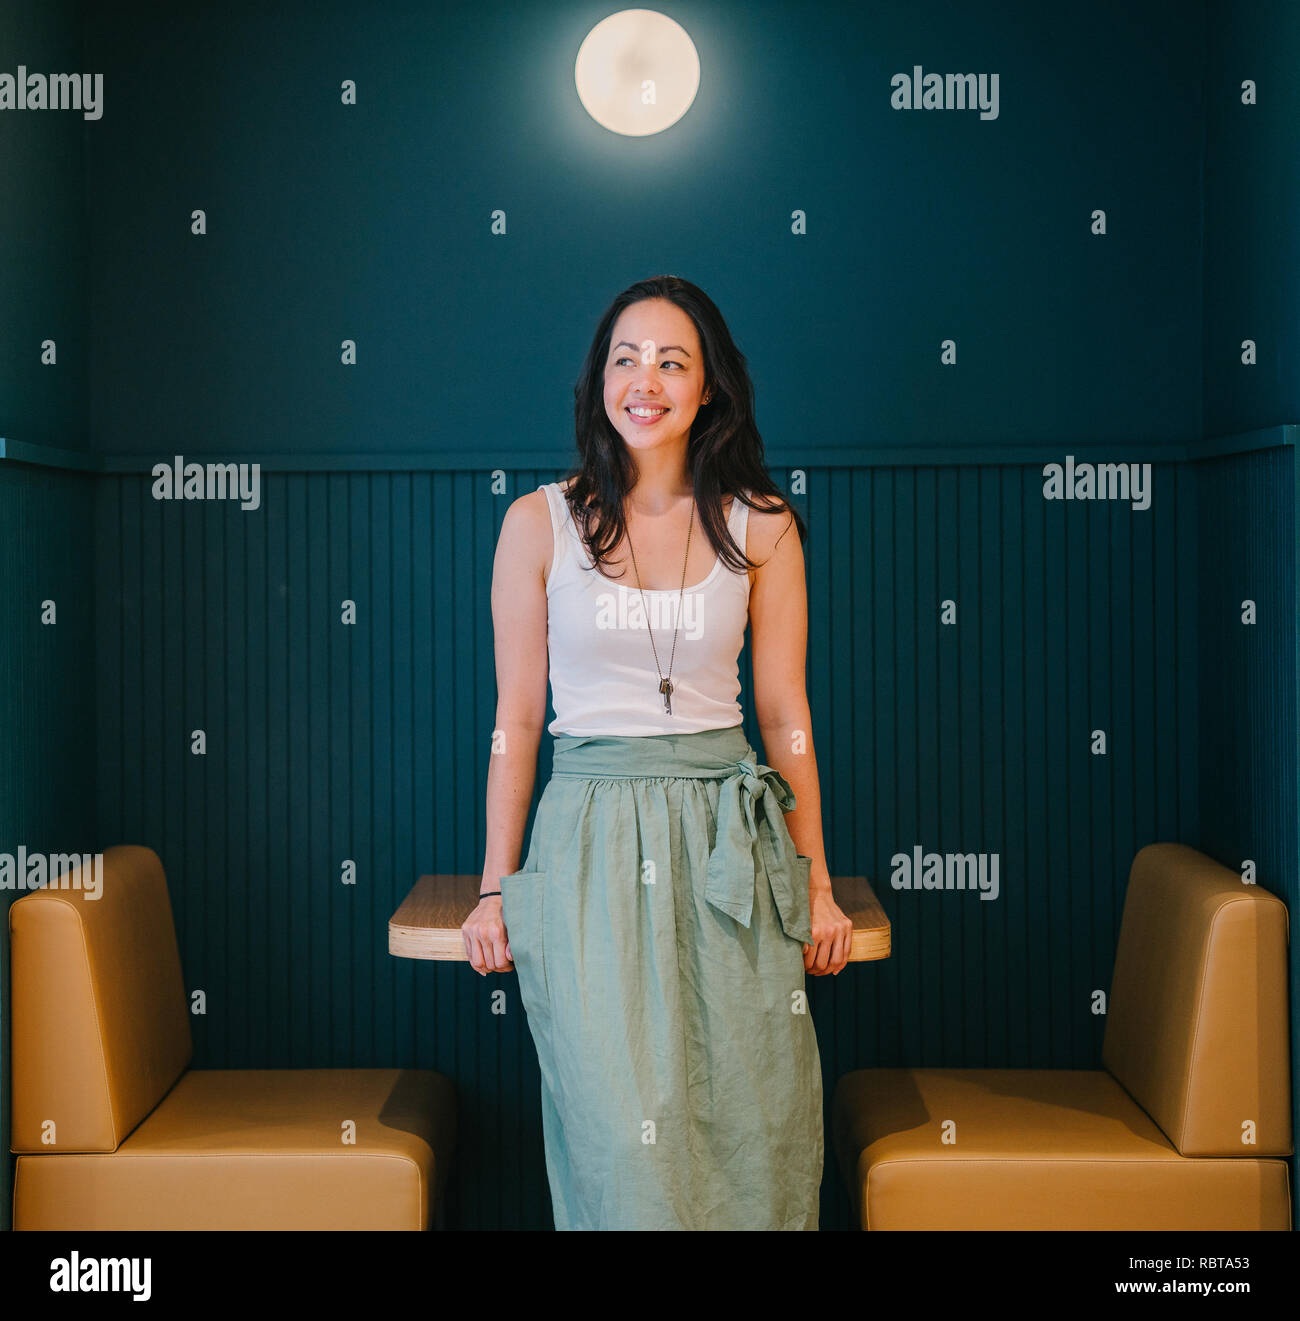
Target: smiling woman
<point x="664" y="917"/>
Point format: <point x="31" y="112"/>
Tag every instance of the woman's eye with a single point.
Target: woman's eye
<point x="671" y="362"/>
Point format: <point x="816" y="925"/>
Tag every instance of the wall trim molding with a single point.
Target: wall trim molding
<point x="778" y="456"/>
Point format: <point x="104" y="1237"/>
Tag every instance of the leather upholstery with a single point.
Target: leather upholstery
<point x="1197" y="1023"/>
<point x="100" y="1028"/>
<point x="260" y="1149"/>
<point x="1034" y="1149"/>
<point x="1195" y="1044"/>
<point x="101" y="1044"/>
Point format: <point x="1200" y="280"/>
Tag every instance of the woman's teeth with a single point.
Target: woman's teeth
<point x="647" y="414"/>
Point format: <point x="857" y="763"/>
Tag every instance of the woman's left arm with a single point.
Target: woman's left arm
<point x="778" y="624"/>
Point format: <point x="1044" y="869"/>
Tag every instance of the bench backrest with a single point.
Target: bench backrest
<point x="1196" y="1027"/>
<point x="99" y="1024"/>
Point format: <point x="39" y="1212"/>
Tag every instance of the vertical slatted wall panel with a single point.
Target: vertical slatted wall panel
<point x="47" y="693"/>
<point x="371" y="743"/>
<point x="324" y="743"/>
<point x="1249" y="722"/>
<point x="976" y="737"/>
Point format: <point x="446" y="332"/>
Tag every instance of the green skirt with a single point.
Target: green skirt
<point x="657" y="927"/>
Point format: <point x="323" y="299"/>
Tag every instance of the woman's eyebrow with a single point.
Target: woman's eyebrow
<point x="663" y="348"/>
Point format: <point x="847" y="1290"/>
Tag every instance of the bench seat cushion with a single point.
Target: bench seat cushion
<point x="1033" y="1149"/>
<point x="259" y="1149"/>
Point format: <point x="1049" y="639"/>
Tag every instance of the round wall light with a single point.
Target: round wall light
<point x="637" y="72"/>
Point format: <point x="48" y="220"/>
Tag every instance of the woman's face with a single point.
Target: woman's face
<point x="655" y="360"/>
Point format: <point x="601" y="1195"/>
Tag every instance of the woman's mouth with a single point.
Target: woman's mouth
<point x="645" y="417"/>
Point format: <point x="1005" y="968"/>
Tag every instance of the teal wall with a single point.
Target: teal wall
<point x="44" y="237"/>
<point x="372" y="222"/>
<point x="47" y="671"/>
<point x="924" y="482"/>
<point x="1249" y="808"/>
<point x="1251" y="203"/>
<point x="1246" y="533"/>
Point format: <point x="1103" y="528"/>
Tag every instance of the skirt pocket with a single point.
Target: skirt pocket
<point x="802" y="881"/>
<point x="523" y="899"/>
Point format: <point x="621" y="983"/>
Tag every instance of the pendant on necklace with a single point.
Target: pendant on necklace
<point x="665" y="687"/>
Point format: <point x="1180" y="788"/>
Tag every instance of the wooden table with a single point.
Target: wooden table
<point x="427" y="925"/>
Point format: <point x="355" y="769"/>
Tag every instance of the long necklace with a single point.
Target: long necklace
<point x="665" y="680"/>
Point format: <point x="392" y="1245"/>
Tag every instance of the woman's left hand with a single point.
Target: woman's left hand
<point x="832" y="934"/>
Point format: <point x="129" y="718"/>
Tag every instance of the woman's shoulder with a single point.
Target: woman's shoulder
<point x="526" y="530"/>
<point x="766" y="526"/>
<point x="532" y="507"/>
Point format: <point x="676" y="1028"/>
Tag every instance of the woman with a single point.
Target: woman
<point x="667" y="910"/>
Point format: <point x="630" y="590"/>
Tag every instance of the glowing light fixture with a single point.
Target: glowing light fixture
<point x="637" y="72"/>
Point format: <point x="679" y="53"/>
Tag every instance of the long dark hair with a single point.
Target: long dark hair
<point x="724" y="451"/>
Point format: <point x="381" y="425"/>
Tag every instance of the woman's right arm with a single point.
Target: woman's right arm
<point x="523" y="552"/>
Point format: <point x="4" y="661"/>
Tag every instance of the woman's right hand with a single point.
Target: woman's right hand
<point x="486" y="941"/>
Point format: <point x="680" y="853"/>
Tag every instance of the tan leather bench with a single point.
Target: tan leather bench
<point x="1196" y="1057"/>
<point x="115" y="1131"/>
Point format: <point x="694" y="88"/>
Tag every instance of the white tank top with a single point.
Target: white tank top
<point x="603" y="674"/>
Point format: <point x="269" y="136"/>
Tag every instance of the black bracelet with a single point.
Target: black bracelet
<point x="488" y="893"/>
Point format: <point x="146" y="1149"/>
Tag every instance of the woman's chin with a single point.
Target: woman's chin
<point x="640" y="440"/>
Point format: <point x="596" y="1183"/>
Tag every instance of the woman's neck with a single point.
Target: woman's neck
<point x="662" y="480"/>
